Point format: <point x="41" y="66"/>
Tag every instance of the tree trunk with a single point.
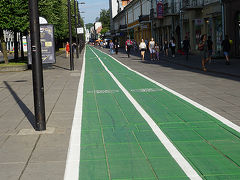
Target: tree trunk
<point x="15" y="46"/>
<point x="21" y="44"/>
<point x="4" y="47"/>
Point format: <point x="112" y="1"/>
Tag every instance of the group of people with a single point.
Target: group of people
<point x="206" y="49"/>
<point x="153" y="47"/>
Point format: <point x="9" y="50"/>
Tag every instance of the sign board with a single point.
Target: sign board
<point x="160" y="10"/>
<point x="47" y="45"/>
<point x="80" y="30"/>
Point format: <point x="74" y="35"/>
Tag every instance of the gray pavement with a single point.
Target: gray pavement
<point x="43" y="157"/>
<point x="23" y="154"/>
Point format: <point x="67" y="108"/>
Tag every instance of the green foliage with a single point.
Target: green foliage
<point x="105" y="19"/>
<point x="104" y="30"/>
<point x="14" y="15"/>
<point x="89" y="25"/>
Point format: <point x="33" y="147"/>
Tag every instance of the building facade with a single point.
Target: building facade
<point x="165" y="19"/>
<point x="232" y="24"/>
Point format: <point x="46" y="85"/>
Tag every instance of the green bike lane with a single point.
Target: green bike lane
<point x="210" y="147"/>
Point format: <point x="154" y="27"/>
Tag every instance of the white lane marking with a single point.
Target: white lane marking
<point x="73" y="157"/>
<point x="108" y="91"/>
<point x="203" y="108"/>
<point x="103" y="91"/>
<point x="182" y="162"/>
<point x="146" y="90"/>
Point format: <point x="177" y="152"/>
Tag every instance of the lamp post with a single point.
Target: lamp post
<point x="37" y="72"/>
<point x="70" y="36"/>
<point x="79" y="16"/>
<point x="75" y="17"/>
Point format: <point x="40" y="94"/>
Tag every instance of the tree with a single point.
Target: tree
<point x="105" y="20"/>
<point x="14" y="17"/>
<point x="89" y="25"/>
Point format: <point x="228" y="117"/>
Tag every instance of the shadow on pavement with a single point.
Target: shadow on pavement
<point x="173" y="64"/>
<point x="60" y="67"/>
<point x="30" y="116"/>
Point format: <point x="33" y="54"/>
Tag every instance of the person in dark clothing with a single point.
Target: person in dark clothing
<point x="165" y="47"/>
<point x="186" y="47"/>
<point x="210" y="48"/>
<point x="128" y="45"/>
<point x="226" y="49"/>
<point x="202" y="47"/>
<point x="116" y="46"/>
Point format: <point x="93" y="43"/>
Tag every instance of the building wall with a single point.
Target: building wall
<point x="232" y="24"/>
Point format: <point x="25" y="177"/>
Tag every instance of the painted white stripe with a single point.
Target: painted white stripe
<point x="212" y="113"/>
<point x="103" y="91"/>
<point x="183" y="163"/>
<point x="73" y="157"/>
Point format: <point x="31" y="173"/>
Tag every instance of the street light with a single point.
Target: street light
<point x="70" y="36"/>
<point x="79" y="15"/>
<point x="37" y="71"/>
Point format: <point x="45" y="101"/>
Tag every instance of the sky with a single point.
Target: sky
<point x="92" y="9"/>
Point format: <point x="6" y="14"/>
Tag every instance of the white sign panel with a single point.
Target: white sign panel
<point x="80" y="30"/>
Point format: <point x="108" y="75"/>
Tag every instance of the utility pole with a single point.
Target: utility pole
<point x="37" y="71"/>
<point x="223" y="19"/>
<point x="70" y="36"/>
<point x="76" y="28"/>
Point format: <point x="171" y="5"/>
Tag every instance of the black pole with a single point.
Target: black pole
<point x="76" y="28"/>
<point x="37" y="72"/>
<point x="70" y="36"/>
<point x="80" y="42"/>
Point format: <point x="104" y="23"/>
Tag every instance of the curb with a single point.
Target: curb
<point x="14" y="68"/>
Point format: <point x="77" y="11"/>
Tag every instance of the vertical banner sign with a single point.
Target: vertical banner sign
<point x="159" y="10"/>
<point x="47" y="45"/>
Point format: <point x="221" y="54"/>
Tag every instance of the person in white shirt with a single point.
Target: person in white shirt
<point x="142" y="48"/>
<point x="152" y="48"/>
<point x="111" y="45"/>
<point x="173" y="46"/>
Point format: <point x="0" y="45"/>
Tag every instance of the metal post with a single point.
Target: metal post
<point x="37" y="72"/>
<point x="70" y="36"/>
<point x="223" y="20"/>
<point x="80" y="42"/>
<point x="77" y="52"/>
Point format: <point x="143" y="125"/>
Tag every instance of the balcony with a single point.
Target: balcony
<point x="192" y="4"/>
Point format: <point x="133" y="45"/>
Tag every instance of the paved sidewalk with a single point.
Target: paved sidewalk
<point x="23" y="154"/>
<point x="216" y="66"/>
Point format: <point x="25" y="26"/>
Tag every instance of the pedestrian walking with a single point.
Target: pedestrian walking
<point x="173" y="46"/>
<point x="101" y="44"/>
<point x="142" y="48"/>
<point x="128" y="45"/>
<point x="67" y="49"/>
<point x="146" y="42"/>
<point x="157" y="49"/>
<point x="111" y="46"/>
<point x="165" y="48"/>
<point x="226" y="49"/>
<point x="116" y="46"/>
<point x="74" y="48"/>
<point x="152" y="49"/>
<point x="203" y="48"/>
<point x="186" y="47"/>
<point x="210" y="48"/>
